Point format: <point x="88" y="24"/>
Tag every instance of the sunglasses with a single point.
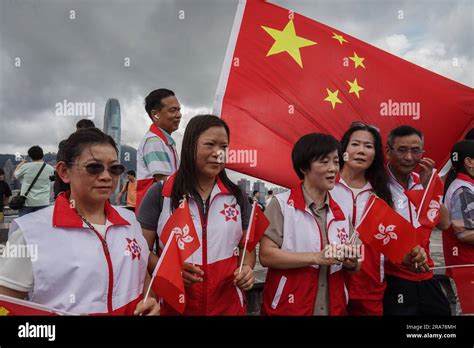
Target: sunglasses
<point x="98" y="168"/>
<point x="362" y="124"/>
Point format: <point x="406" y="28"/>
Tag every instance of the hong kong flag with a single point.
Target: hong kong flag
<point x="285" y="75"/>
<point x="428" y="202"/>
<point x="386" y="231"/>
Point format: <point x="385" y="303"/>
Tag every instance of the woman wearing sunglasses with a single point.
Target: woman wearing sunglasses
<point x="214" y="285"/>
<point x="363" y="174"/>
<point x="86" y="257"/>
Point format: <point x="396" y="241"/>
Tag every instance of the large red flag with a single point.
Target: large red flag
<point x="386" y="231"/>
<point x="257" y="227"/>
<point x="428" y="202"/>
<point x="10" y="306"/>
<point x="464" y="279"/>
<point x="286" y="75"/>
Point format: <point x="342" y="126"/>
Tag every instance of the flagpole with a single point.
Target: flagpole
<point x="247" y="236"/>
<point x="158" y="265"/>
<point x="365" y="213"/>
<point x="453" y="266"/>
<point x="424" y="194"/>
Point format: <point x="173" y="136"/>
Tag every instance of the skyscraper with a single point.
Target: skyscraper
<point x="113" y="127"/>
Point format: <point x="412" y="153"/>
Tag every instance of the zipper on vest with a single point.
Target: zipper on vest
<point x="110" y="289"/>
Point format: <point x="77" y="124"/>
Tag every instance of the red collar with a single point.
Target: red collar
<point x="158" y="132"/>
<point x="65" y="216"/>
<point x="168" y="186"/>
<point x="296" y="199"/>
<point x="465" y="177"/>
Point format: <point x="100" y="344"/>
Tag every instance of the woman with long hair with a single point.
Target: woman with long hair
<point x="214" y="285"/>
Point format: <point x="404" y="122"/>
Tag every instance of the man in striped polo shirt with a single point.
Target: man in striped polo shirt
<point x="157" y="157"/>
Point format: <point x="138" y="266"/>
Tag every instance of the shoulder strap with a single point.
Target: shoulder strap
<point x="36" y="178"/>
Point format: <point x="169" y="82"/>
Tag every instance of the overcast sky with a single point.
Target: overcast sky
<point x="82" y="59"/>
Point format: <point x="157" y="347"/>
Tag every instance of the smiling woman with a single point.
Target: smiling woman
<point x="95" y="265"/>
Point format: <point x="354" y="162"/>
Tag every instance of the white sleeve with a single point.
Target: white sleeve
<point x="16" y="273"/>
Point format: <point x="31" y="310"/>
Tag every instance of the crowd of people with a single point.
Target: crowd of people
<point x="96" y="258"/>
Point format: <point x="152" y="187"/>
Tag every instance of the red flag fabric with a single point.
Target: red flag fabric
<point x="167" y="280"/>
<point x="386" y="231"/>
<point x="286" y="75"/>
<point x="428" y="202"/>
<point x="258" y="225"/>
<point x="464" y="279"/>
<point x="10" y="306"/>
<point x="181" y="224"/>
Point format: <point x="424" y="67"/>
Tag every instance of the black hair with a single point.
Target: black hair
<point x="82" y="138"/>
<point x="85" y="123"/>
<point x="402" y="131"/>
<point x="153" y="100"/>
<point x="310" y="148"/>
<point x="131" y="172"/>
<point x="460" y="151"/>
<point x="376" y="174"/>
<point x="186" y="179"/>
<point x="255" y="192"/>
<point x="2" y="172"/>
<point x="470" y="135"/>
<point x="270" y="192"/>
<point x="35" y="153"/>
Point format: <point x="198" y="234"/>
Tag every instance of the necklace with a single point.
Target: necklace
<point x="104" y="242"/>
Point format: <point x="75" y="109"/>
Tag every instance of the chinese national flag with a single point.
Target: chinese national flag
<point x="10" y="306"/>
<point x="286" y="75"/>
<point x="258" y="226"/>
<point x="464" y="279"/>
<point x="181" y="223"/>
<point x="181" y="240"/>
<point x="386" y="231"/>
<point x="167" y="281"/>
<point x="428" y="202"/>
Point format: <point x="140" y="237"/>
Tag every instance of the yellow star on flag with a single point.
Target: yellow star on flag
<point x="286" y="40"/>
<point x="4" y="311"/>
<point x="339" y="38"/>
<point x="332" y="98"/>
<point x="355" y="88"/>
<point x="358" y="61"/>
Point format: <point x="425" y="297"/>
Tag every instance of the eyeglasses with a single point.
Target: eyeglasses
<point x="98" y="168"/>
<point x="404" y="151"/>
<point x="362" y="124"/>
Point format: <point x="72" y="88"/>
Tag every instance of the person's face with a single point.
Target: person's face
<point x="360" y="151"/>
<point x="405" y="154"/>
<point x="211" y="145"/>
<point x="322" y="173"/>
<point x="169" y="116"/>
<point x="89" y="187"/>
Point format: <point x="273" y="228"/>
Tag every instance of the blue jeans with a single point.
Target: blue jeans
<point x="27" y="210"/>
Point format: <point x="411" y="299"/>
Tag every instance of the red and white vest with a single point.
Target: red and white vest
<point x="455" y="251"/>
<point x="405" y="208"/>
<point x="219" y="236"/>
<point x="294" y="291"/>
<point x="77" y="270"/>
<point x="368" y="283"/>
<point x="144" y="176"/>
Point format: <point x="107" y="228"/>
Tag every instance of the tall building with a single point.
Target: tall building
<point x="113" y="127"/>
<point x="260" y="187"/>
<point x="9" y="168"/>
<point x="244" y="185"/>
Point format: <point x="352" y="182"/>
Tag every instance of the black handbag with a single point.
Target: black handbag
<point x="19" y="201"/>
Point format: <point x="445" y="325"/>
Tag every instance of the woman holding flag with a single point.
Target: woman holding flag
<point x="458" y="239"/>
<point x="219" y="214"/>
<point x="90" y="258"/>
<point x="362" y="175"/>
<point x="308" y="246"/>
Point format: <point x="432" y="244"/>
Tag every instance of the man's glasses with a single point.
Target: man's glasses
<point x="98" y="168"/>
<point x="362" y="124"/>
<point x="417" y="151"/>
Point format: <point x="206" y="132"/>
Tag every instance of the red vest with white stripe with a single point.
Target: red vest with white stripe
<point x="405" y="208"/>
<point x="368" y="283"/>
<point x="217" y="256"/>
<point x="75" y="270"/>
<point x="294" y="291"/>
<point x="144" y="176"/>
<point x="455" y="251"/>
